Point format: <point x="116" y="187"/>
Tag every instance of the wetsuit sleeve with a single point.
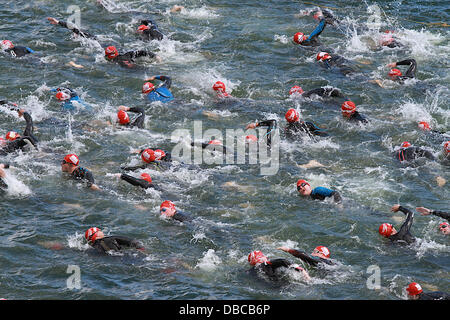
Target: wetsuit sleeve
<point x="76" y="30"/>
<point x="303" y="256"/>
<point x="358" y="117"/>
<point x="89" y="178"/>
<point x="441" y="214"/>
<point x="142" y="166"/>
<point x="153" y="33"/>
<point x="127" y="242"/>
<point x="411" y="72"/>
<point x="181" y="217"/>
<point x="167" y="82"/>
<point x="315" y="130"/>
<point x="271" y="124"/>
<point x="29" y="128"/>
<point x="139" y="122"/>
<point x="277" y="263"/>
<point x="406" y="226"/>
<point x="135" y="181"/>
<point x="141" y="53"/>
<point x="317" y="31"/>
<point x="425" y="153"/>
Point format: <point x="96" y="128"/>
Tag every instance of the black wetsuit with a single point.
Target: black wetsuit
<point x="127" y="59"/>
<point x="84" y="175"/>
<point x="403" y="235"/>
<point x="313" y="261"/>
<point x="179" y="216"/>
<point x="140" y="120"/>
<point x="19" y="51"/>
<point x="357" y="117"/>
<point x="212" y="147"/>
<point x="155" y="165"/>
<point x="153" y="32"/>
<point x="411" y="72"/>
<point x="271" y="126"/>
<point x="293" y="129"/>
<point x="441" y="214"/>
<point x="270" y="267"/>
<point x="21" y="142"/>
<point x="412" y="153"/>
<point x="437" y="295"/>
<point x="77" y="31"/>
<point x="137" y="182"/>
<point x="324" y="92"/>
<point x="115" y="243"/>
<point x="339" y="62"/>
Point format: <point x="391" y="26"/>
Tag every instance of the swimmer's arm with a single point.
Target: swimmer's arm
<point x="134" y="181"/>
<point x="299" y="254"/>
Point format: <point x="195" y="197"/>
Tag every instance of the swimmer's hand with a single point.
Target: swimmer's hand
<point x="251" y="126"/>
<point x="52" y="20"/>
<point x="395" y="208"/>
<point x="285" y="249"/>
<point x="423" y="211"/>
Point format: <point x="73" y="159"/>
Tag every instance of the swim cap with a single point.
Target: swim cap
<point x="6" y="44"/>
<point x="292" y="116"/>
<point x="219" y="86"/>
<point x="11" y="136"/>
<point x="321" y="56"/>
<point x="414" y="289"/>
<point x="406" y="144"/>
<point x="385" y="229"/>
<point x="447" y="147"/>
<point x="348" y="107"/>
<point x="424" y="125"/>
<point x="159" y="154"/>
<point x="167" y="205"/>
<point x="217" y="142"/>
<point x="62" y="96"/>
<point x="296" y="90"/>
<point x="394" y="72"/>
<point x="148" y="87"/>
<point x="251" y="138"/>
<point x="256" y="257"/>
<point x="146" y="177"/>
<point x="443" y="225"/>
<point x="299" y="37"/>
<point x="142" y="27"/>
<point x="148" y="155"/>
<point x="72" y="159"/>
<point x="301" y="182"/>
<point x="91" y="234"/>
<point x="317" y="15"/>
<point x="111" y="52"/>
<point x="123" y="117"/>
<point x="323" y="250"/>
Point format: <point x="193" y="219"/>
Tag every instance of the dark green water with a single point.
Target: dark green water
<point x="247" y="45"/>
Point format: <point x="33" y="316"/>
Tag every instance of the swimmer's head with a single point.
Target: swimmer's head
<point x="148" y="155"/>
<point x="257" y="257"/>
<point x="322" y="56"/>
<point x="111" y="52"/>
<point x="142" y="28"/>
<point x="321" y="252"/>
<point x="69" y="163"/>
<point x="386" y="229"/>
<point x="167" y="208"/>
<point x="292" y="116"/>
<point x="219" y="86"/>
<point x="93" y="234"/>
<point x="414" y="289"/>
<point x="62" y="96"/>
<point x="11" y="136"/>
<point x="146" y="177"/>
<point x="123" y="117"/>
<point x="304" y="187"/>
<point x="299" y="37"/>
<point x="148" y="87"/>
<point x="6" y="44"/>
<point x="447" y="148"/>
<point x="444" y="228"/>
<point x="424" y="125"/>
<point x="394" y="74"/>
<point x="348" y="108"/>
<point x="406" y="144"/>
<point x="159" y="154"/>
<point x="297" y="90"/>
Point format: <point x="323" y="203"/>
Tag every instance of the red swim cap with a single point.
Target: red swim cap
<point x="348" y="107"/>
<point x="72" y="159"/>
<point x="414" y="289"/>
<point x="323" y="250"/>
<point x="296" y="90"/>
<point x="111" y="52"/>
<point x="91" y="234"/>
<point x="62" y="96"/>
<point x="292" y="116"/>
<point x="148" y="155"/>
<point x="447" y="147"/>
<point x="11" y="136"/>
<point x="219" y="86"/>
<point x="146" y="177"/>
<point x="385" y="229"/>
<point x="159" y="154"/>
<point x="394" y="72"/>
<point x="142" y="28"/>
<point x="167" y="204"/>
<point x="321" y="56"/>
<point x="300" y="182"/>
<point x="443" y="225"/>
<point x="256" y="257"/>
<point x="424" y="125"/>
<point x="123" y="117"/>
<point x="6" y="44"/>
<point x="406" y="144"/>
<point x="216" y="142"/>
<point x="299" y="37"/>
<point x="148" y="87"/>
